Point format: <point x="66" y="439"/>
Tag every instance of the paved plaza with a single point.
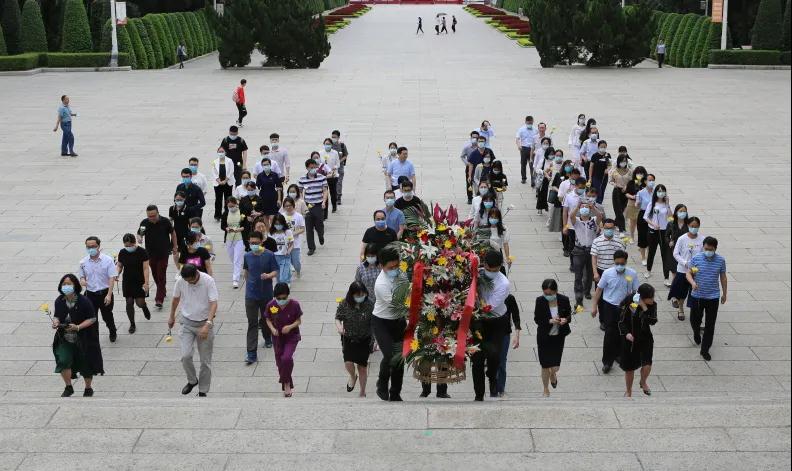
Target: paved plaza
<point x="719" y="139"/>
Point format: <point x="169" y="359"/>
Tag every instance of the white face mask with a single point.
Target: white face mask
<point x="293" y="195"/>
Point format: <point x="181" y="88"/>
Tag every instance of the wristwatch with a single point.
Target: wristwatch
<point x="209" y="323"/>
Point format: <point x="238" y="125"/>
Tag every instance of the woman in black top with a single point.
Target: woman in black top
<point x="196" y="255"/>
<point x="638" y="314"/>
<point x="261" y="224"/>
<point x="599" y="166"/>
<point x="552" y="315"/>
<point x="180" y="217"/>
<point x="133" y="262"/>
<point x="513" y="312"/>
<point x="635" y="185"/>
<point x="353" y="323"/>
<point x="76" y="343"/>
<point x="379" y="234"/>
<point x="498" y="181"/>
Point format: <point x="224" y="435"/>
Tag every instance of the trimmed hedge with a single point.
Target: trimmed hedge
<point x="659" y="18"/>
<point x="689" y="39"/>
<point x="124" y="41"/>
<point x="768" y="31"/>
<point x="747" y="57"/>
<point x="10" y="22"/>
<point x="144" y="38"/>
<point x="689" y="46"/>
<point x="192" y="50"/>
<point x="168" y="55"/>
<point x="156" y="43"/>
<point x="515" y="5"/>
<point x="33" y="39"/>
<point x="701" y="47"/>
<point x="3" y="50"/>
<point x="87" y="59"/>
<point x="26" y="61"/>
<point x="141" y="59"/>
<point x="787" y="39"/>
<point x="201" y="45"/>
<point x="76" y="32"/>
<point x="670" y="29"/>
<point x="713" y="42"/>
<point x="680" y="38"/>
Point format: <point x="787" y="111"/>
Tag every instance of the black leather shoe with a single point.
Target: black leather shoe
<point x="68" y="391"/>
<point x="587" y="295"/>
<point x="321" y="240"/>
<point x="311" y="252"/>
<point x="132" y="328"/>
<point x="113" y="335"/>
<point x="383" y="395"/>
<point x="200" y="394"/>
<point x="443" y="396"/>
<point x="706" y="356"/>
<point x="395" y="398"/>
<point x="88" y="392"/>
<point x="188" y="388"/>
<point x="424" y="394"/>
<point x="697" y="338"/>
<point x="606" y="369"/>
<point x="480" y="398"/>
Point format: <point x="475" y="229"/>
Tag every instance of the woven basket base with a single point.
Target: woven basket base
<point x="438" y="373"/>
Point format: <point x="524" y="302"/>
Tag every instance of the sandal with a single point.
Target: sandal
<point x="681" y="315"/>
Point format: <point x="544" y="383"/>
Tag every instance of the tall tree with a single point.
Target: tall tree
<point x="11" y="20"/>
<point x="290" y="36"/>
<point x="787" y="41"/>
<point x="768" y="32"/>
<point x="33" y="39"/>
<point x="76" y="32"/>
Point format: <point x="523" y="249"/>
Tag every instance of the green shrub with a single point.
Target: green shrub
<point x="690" y="44"/>
<point x="144" y="38"/>
<point x="290" y="37"/>
<point x="195" y="29"/>
<point x="85" y="59"/>
<point x="168" y="55"/>
<point x="173" y="24"/>
<point x="205" y="31"/>
<point x="124" y="41"/>
<point x="680" y="38"/>
<point x="713" y="42"/>
<point x="11" y="20"/>
<point x="99" y="13"/>
<point x="768" y="32"/>
<point x="141" y="59"/>
<point x="787" y="41"/>
<point x="701" y="45"/>
<point x="3" y="50"/>
<point x="33" y="38"/>
<point x="659" y="18"/>
<point x="27" y="61"/>
<point x="156" y="43"/>
<point x="171" y="36"/>
<point x="235" y="32"/>
<point x="76" y="32"/>
<point x="669" y="31"/>
<point x="745" y="57"/>
<point x="786" y="58"/>
<point x="187" y="35"/>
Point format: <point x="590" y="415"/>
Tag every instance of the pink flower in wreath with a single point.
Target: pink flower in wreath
<point x="456" y="315"/>
<point x="441" y="300"/>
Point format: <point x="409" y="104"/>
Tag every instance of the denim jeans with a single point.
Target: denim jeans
<point x="67" y="142"/>
<point x="295" y="260"/>
<point x="284" y="268"/>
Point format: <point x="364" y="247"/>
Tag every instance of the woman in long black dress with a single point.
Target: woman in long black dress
<point x="552" y="315"/>
<point x="133" y="262"/>
<point x="270" y="186"/>
<point x="76" y="344"/>
<point x="638" y="314"/>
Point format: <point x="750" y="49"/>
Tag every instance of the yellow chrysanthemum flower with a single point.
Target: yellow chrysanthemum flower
<point x="628" y="278"/>
<point x="633" y="305"/>
<point x="694" y="270"/>
<point x="442" y="227"/>
<point x="414" y="345"/>
<point x="458" y="273"/>
<point x="430" y="281"/>
<point x="407" y="301"/>
<point x="339" y="300"/>
<point x="442" y="261"/>
<point x="44" y="307"/>
<point x="274" y="310"/>
<point x="447" y="244"/>
<point x="460" y="259"/>
<point x="168" y="339"/>
<point x="403" y="266"/>
<point x="431" y="316"/>
<point x="435" y="331"/>
<point x="478" y="335"/>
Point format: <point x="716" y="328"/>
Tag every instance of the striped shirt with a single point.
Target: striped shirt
<point x="313" y="188"/>
<point x="708" y="276"/>
<point x="604" y="249"/>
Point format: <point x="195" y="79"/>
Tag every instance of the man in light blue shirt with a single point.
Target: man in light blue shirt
<point x="615" y="285"/>
<point x="401" y="167"/>
<point x="65" y="122"/>
<point x="525" y="142"/>
<point x="394" y="217"/>
<point x="707" y="269"/>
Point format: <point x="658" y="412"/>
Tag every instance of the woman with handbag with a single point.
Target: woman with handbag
<point x="353" y="323"/>
<point x="552" y="315"/>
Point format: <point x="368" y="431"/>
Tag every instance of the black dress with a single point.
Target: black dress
<point x="550" y="348"/>
<point x="88" y="359"/>
<point x="268" y="192"/>
<point x="638" y="322"/>
<point x="133" y="279"/>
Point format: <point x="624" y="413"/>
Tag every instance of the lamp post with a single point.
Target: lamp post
<point x="114" y="35"/>
<point x="725" y="29"/>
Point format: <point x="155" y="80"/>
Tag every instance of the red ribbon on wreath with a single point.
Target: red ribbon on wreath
<point x="467" y="315"/>
<point x="416" y="301"/>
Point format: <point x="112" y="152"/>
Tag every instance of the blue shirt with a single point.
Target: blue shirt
<point x="65" y="113"/>
<point x="708" y="276"/>
<point x="475" y="158"/>
<point x="617" y="286"/>
<point x="397" y="169"/>
<point x="644" y="198"/>
<point x="394" y="218"/>
<point x="256" y="288"/>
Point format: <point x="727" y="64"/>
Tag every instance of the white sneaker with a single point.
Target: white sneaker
<point x="648" y="275"/>
<point x="235" y="285"/>
<point x="667" y="282"/>
<point x="643" y="262"/>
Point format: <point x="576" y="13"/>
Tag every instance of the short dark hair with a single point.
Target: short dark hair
<point x="274" y="136"/>
<point x="231" y="199"/>
<point x="388" y="254"/>
<point x="354" y="288"/>
<point x="281" y="289"/>
<point x="71" y="277"/>
<point x="256" y="235"/>
<point x="474" y="133"/>
<point x="620" y="254"/>
<point x="379" y="211"/>
<point x="193" y="159"/>
<point x="95" y="239"/>
<point x="180" y="193"/>
<point x="646" y="291"/>
<point x="711" y="241"/>
<point x="493" y="258"/>
<point x="152" y="207"/>
<point x="602" y="141"/>
<point x="63" y="97"/>
<point x="195" y="220"/>
<point x="609" y="221"/>
<point x="192" y="237"/>
<point x="336" y="132"/>
<point x="289" y="200"/>
<point x="593" y="190"/>
<point x="128" y="238"/>
<point x="233" y="129"/>
<point x="692" y="219"/>
<point x="550" y="284"/>
<point x="371" y="249"/>
<point x="266" y="159"/>
<point x="400" y="149"/>
<point x="575" y="170"/>
<point x="407" y="184"/>
<point x="622" y="148"/>
<point x="263" y="148"/>
<point x="186" y="170"/>
<point x="388" y="191"/>
<point x="529" y="118"/>
<point x="580" y="180"/>
<point x="189" y="271"/>
<point x="243" y="81"/>
<point x="310" y="162"/>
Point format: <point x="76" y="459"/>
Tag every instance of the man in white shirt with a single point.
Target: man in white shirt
<point x="525" y="142"/>
<point x="196" y="294"/>
<point x="279" y="157"/>
<point x="98" y="275"/>
<point x="259" y="168"/>
<point x="388" y="327"/>
<point x="584" y="217"/>
<point x="570" y="202"/>
<point x="493" y="327"/>
<point x="198" y="178"/>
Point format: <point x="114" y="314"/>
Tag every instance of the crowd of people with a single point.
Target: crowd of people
<point x="266" y="219"/>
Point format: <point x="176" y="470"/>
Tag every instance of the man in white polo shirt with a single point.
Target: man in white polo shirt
<point x="525" y="141"/>
<point x="196" y="294"/>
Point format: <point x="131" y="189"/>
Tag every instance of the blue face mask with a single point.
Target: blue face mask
<point x="278" y="227"/>
<point x="194" y="169"/>
<point x="282" y="302"/>
<point x="359" y="299"/>
<point x="255" y="248"/>
<point x="493" y="221"/>
<point x="92" y="252"/>
<point x="179" y="203"/>
<point x="636" y="298"/>
<point x="67" y="289"/>
<point x="550" y="297"/>
<point x="186" y="180"/>
<point x="585" y="212"/>
<point x="392" y="273"/>
<point x="608" y="233"/>
<point x="489" y="204"/>
<point x="709" y="253"/>
<point x="130" y="249"/>
<point x="558" y="160"/>
<point x="580" y="191"/>
<point x="620" y="268"/>
<point x="390" y="202"/>
<point x="328" y="147"/>
<point x="568" y="168"/>
<point x="483" y="191"/>
<point x="197" y="230"/>
<point x="682" y="215"/>
<point x="650" y="184"/>
<point x="661" y="194"/>
<point x="693" y="230"/>
<point x="380" y="224"/>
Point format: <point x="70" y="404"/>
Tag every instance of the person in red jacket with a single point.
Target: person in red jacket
<point x="239" y="99"/>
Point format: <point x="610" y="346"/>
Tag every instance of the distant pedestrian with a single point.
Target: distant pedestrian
<point x="239" y="100"/>
<point x="420" y="26"/>
<point x="437" y="25"/>
<point x="181" y="54"/>
<point x="453" y="23"/>
<point x="661" y="52"/>
<point x="443" y="27"/>
<point x="65" y="116"/>
<point x="196" y="293"/>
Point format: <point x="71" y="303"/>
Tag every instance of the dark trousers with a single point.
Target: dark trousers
<point x="504" y="354"/>
<point x="643" y="229"/>
<point x="492" y="332"/>
<point x="619" y="206"/>
<point x="237" y="168"/>
<point x="660" y="60"/>
<point x="242" y="112"/>
<point x="332" y="184"/>
<point x="254" y="310"/>
<point x="468" y="186"/>
<point x="389" y="334"/>
<point x="658" y="239"/>
<point x="419" y="30"/>
<point x="427" y="388"/>
<point x="67" y="141"/>
<point x="706" y="310"/>
<point x="159" y="270"/>
<point x="314" y="221"/>
<point x="97" y="299"/>
<point x="581" y="263"/>
<point x="222" y="193"/>
<point x="600" y="184"/>
<point x="611" y="344"/>
<point x="181" y="62"/>
<point x="130" y="308"/>
<point x="525" y="159"/>
<point x="569" y="245"/>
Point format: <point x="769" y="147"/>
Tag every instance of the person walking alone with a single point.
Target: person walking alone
<point x="453" y="23"/>
<point x="181" y="54"/>
<point x="420" y="26"/>
<point x="661" y="52"/>
<point x="65" y="116"/>
<point x="239" y="100"/>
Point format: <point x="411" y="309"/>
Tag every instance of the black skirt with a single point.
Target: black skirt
<point x="541" y="197"/>
<point x="643" y="231"/>
<point x="680" y="288"/>
<point x="132" y="288"/>
<point x="634" y="357"/>
<point x="550" y="349"/>
<point x="356" y="351"/>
